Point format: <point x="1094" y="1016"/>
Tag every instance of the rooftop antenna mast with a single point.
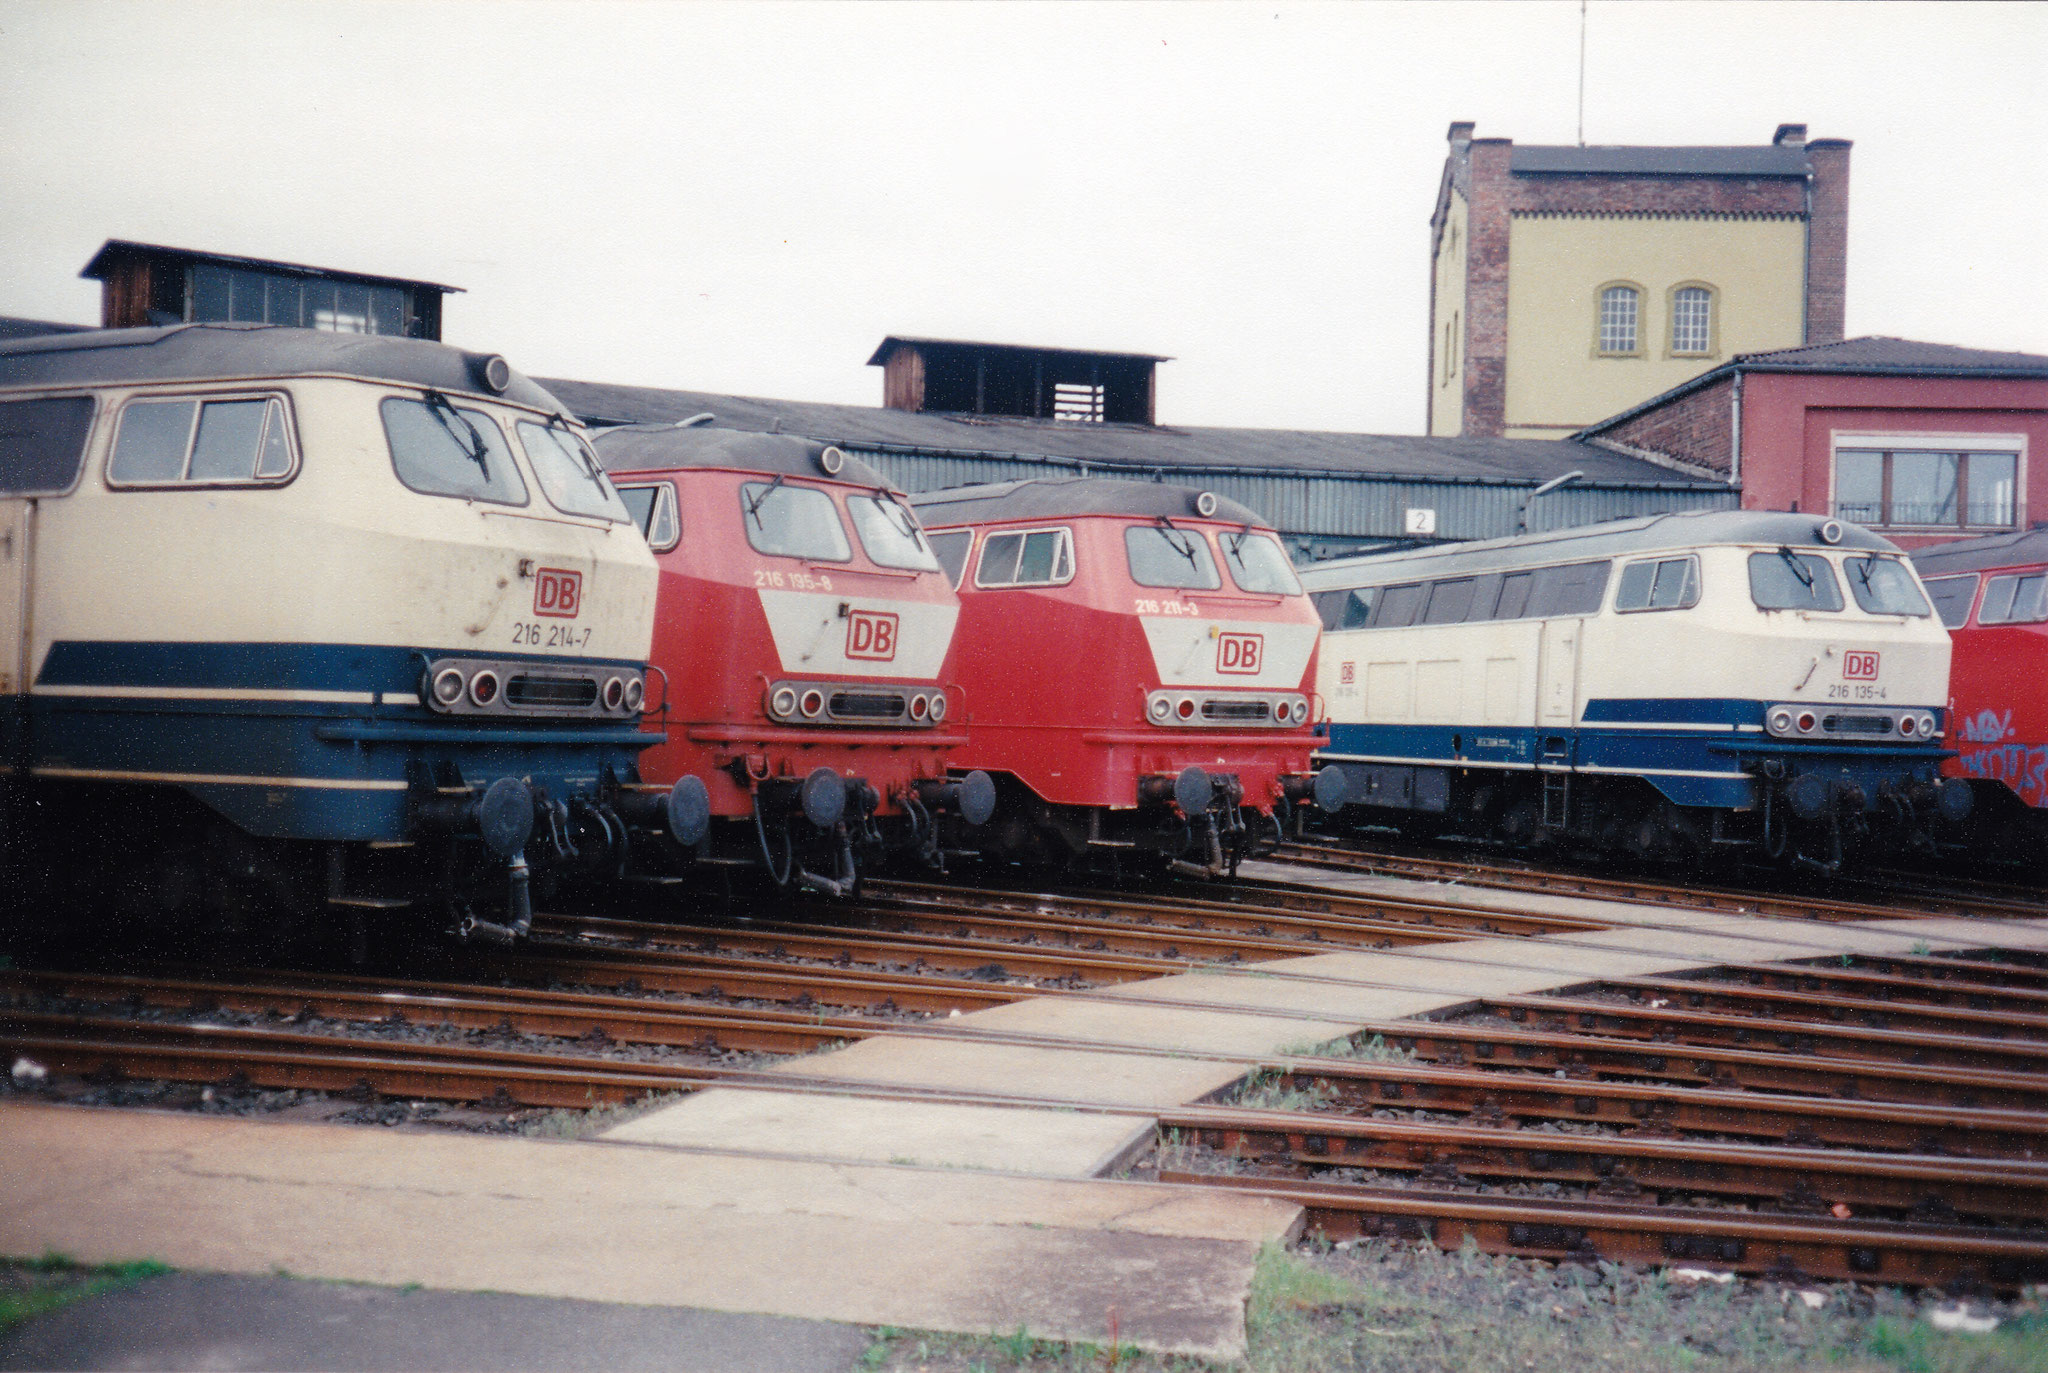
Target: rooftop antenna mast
<point x="1582" y="73"/>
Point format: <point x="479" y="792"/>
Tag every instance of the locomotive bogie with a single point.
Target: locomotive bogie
<point x="1663" y="687"/>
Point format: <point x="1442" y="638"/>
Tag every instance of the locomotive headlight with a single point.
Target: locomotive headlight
<point x="1781" y="721"/>
<point x="1926" y="725"/>
<point x="448" y="686"/>
<point x="483" y="688"/>
<point x="614" y="693"/>
<point x="1301" y="710"/>
<point x="1186" y="708"/>
<point x="783" y="702"/>
<point x="938" y="706"/>
<point x="920" y="706"/>
<point x="636" y="694"/>
<point x="1283" y="711"/>
<point x="813" y="702"/>
<point x="1161" y="709"/>
<point x="1806" y="722"/>
<point x="1908" y="726"/>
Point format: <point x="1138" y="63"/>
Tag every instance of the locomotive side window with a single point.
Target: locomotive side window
<point x="2015" y="599"/>
<point x="653" y="509"/>
<point x="1882" y="586"/>
<point x="1572" y="589"/>
<point x="951" y="548"/>
<point x="42" y="444"/>
<point x="1161" y="556"/>
<point x="1398" y="605"/>
<point x="1040" y="557"/>
<point x="1450" y="602"/>
<point x="793" y="522"/>
<point x="890" y="535"/>
<point x="244" y="439"/>
<point x="1346" y="609"/>
<point x="1785" y="580"/>
<point x="1257" y="564"/>
<point x="569" y="474"/>
<point x="1514" y="596"/>
<point x="1659" y="584"/>
<point x="439" y="449"/>
<point x="1952" y="597"/>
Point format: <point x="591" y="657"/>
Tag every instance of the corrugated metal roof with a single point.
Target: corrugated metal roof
<point x="1893" y="354"/>
<point x="983" y="439"/>
<point x="1767" y="160"/>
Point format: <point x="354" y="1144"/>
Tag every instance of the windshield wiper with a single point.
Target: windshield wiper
<point x="439" y="407"/>
<point x="754" y="503"/>
<point x="907" y="523"/>
<point x="1798" y="568"/>
<point x="582" y="452"/>
<point x="1179" y="542"/>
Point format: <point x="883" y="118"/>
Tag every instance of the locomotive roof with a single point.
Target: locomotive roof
<point x="651" y="448"/>
<point x="1652" y="533"/>
<point x="200" y="352"/>
<point x="1047" y="498"/>
<point x="1984" y="554"/>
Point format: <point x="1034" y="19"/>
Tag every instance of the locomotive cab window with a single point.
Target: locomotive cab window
<point x="889" y="533"/>
<point x="1785" y="580"/>
<point x="1659" y="584"/>
<point x="1038" y="557"/>
<point x="1570" y="589"/>
<point x="1883" y="586"/>
<point x="653" y="509"/>
<point x="569" y="473"/>
<point x="1257" y="564"/>
<point x="1952" y="597"/>
<point x="2015" y="599"/>
<point x="1160" y="555"/>
<point x="793" y="522"/>
<point x="441" y="449"/>
<point x="42" y="444"/>
<point x="951" y="549"/>
<point x="237" y="439"/>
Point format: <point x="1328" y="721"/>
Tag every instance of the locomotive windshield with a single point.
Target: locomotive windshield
<point x="1882" y="586"/>
<point x="569" y="475"/>
<point x="1785" y="580"/>
<point x="1161" y="555"/>
<point x="1256" y="564"/>
<point x="890" y="534"/>
<point x="793" y="522"/>
<point x="439" y="449"/>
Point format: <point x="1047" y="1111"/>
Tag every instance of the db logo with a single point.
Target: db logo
<point x="871" y="634"/>
<point x="1239" y="652"/>
<point x="558" y="593"/>
<point x="1347" y="674"/>
<point x="1859" y="667"/>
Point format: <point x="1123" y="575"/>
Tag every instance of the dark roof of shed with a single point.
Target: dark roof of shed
<point x="1640" y="535"/>
<point x="654" y="448"/>
<point x="2027" y="547"/>
<point x="1048" y="498"/>
<point x="887" y="345"/>
<point x="1135" y="447"/>
<point x="1764" y="160"/>
<point x="187" y="352"/>
<point x="12" y="327"/>
<point x="1879" y="352"/>
<point x="98" y="268"/>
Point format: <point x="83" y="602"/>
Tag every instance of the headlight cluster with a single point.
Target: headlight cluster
<point x="459" y="686"/>
<point x="1238" y="709"/>
<point x="850" y="703"/>
<point x="1848" y="725"/>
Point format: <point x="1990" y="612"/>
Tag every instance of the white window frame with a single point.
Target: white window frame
<point x="2015" y="444"/>
<point x="981" y="551"/>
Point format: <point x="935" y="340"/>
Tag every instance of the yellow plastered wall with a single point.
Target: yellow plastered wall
<point x="1447" y="375"/>
<point x="1556" y="379"/>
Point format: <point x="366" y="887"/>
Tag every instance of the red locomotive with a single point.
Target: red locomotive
<point x="1137" y="662"/>
<point x="801" y="626"/>
<point x="1992" y="593"/>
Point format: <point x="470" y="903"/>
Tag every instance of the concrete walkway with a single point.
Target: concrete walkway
<point x="818" y="1204"/>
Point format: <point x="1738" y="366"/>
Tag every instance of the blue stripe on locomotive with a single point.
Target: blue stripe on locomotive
<point x="315" y="769"/>
<point x="1622" y="737"/>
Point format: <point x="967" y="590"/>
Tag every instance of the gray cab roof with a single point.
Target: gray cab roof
<point x="1618" y="538"/>
<point x="642" y="448"/>
<point x="1053" y="498"/>
<point x="204" y="352"/>
<point x="1992" y="551"/>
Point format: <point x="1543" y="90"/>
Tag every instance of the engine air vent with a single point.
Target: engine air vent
<point x="1856" y="724"/>
<point x="550" y="693"/>
<point x="866" y="705"/>
<point x="1236" y="710"/>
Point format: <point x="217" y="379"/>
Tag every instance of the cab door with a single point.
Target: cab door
<point x="1558" y="675"/>
<point x="16" y="526"/>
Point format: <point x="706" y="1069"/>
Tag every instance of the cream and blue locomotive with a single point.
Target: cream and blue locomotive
<point x="313" y="622"/>
<point x="1669" y="686"/>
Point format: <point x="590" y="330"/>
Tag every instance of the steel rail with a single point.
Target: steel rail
<point x="1779" y="1246"/>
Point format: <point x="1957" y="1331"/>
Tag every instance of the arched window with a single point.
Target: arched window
<point x="1620" y="309"/>
<point x="1692" y="320"/>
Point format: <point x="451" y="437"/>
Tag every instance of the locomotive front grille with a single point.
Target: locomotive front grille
<point x="1856" y="724"/>
<point x="866" y="705"/>
<point x="550" y="693"/>
<point x="1236" y="710"/>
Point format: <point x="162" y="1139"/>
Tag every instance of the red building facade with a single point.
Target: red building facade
<point x="1923" y="442"/>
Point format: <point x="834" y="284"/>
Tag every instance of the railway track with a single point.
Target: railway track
<point x="1729" y="1116"/>
<point x="1926" y="896"/>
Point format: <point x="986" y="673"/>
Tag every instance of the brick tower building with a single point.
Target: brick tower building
<point x="1568" y="284"/>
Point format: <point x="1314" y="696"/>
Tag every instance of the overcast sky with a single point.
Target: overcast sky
<point x="746" y="198"/>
